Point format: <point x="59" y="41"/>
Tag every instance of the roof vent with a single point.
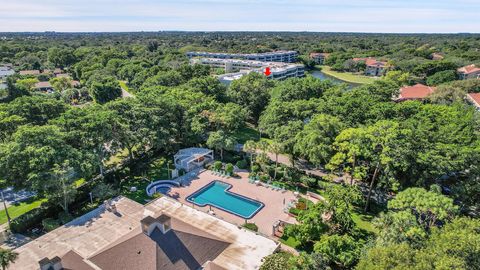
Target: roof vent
<point x="54" y="264"/>
<point x="149" y="223"/>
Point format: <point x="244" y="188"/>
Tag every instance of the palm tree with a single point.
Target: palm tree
<point x="263" y="158"/>
<point x="6" y="257"/>
<point x="275" y="148"/>
<point x="250" y="147"/>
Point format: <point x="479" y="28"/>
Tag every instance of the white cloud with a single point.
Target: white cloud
<point x="308" y="15"/>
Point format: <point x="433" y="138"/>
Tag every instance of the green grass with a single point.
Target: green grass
<point x="79" y="182"/>
<point x="140" y="195"/>
<point x="16" y="210"/>
<point x="347" y="76"/>
<point x="290" y="241"/>
<point x="117" y="158"/>
<point x="364" y="221"/>
<point x="248" y="133"/>
<point x="3" y="93"/>
<point x="245" y="134"/>
<point x="157" y="170"/>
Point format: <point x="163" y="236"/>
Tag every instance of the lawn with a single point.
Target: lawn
<point x="117" y="158"/>
<point x="290" y="241"/>
<point x="141" y="184"/>
<point x="16" y="210"/>
<point x="248" y="133"/>
<point x="157" y="170"/>
<point x="245" y="134"/>
<point x="347" y="76"/>
<point x="364" y="221"/>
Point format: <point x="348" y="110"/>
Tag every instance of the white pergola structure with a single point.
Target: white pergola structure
<point x="191" y="158"/>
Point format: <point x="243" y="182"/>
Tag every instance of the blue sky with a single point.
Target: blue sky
<point x="392" y="16"/>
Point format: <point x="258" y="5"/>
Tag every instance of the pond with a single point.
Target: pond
<point x="322" y="76"/>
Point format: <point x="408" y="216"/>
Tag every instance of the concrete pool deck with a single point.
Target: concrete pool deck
<point x="264" y="219"/>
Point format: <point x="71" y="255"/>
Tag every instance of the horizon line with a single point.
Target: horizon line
<point x="239" y="31"/>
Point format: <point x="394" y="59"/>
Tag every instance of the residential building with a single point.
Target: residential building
<point x="236" y="68"/>
<point x="5" y="71"/>
<point x="64" y="75"/>
<point x="416" y="92"/>
<point x="29" y="72"/>
<point x="57" y="71"/>
<point x="469" y="72"/>
<point x="277" y="56"/>
<point x="44" y="87"/>
<point x="374" y="67"/>
<point x="47" y="86"/>
<point x="161" y="235"/>
<point x="319" y="58"/>
<point x="474" y="98"/>
<point x="437" y="56"/>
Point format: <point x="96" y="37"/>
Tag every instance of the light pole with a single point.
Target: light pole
<point x="91" y="197"/>
<point x="6" y="210"/>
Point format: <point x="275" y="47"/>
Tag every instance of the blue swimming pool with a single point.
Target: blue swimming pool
<point x="217" y="194"/>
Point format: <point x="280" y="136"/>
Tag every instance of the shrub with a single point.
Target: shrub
<point x="301" y="206"/>
<point x="229" y="168"/>
<point x="294" y="211"/>
<point x="309" y="181"/>
<point x="276" y="261"/>
<point x="264" y="178"/>
<point x="64" y="217"/>
<point x="442" y="77"/>
<point x="242" y="164"/>
<point x="237" y="158"/>
<point x="50" y="224"/>
<point x="217" y="165"/>
<point x="32" y="218"/>
<point x="280" y="173"/>
<point x="250" y="226"/>
<point x="255" y="168"/>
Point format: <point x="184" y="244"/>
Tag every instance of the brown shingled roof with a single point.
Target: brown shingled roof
<point x="72" y="261"/>
<point x="183" y="247"/>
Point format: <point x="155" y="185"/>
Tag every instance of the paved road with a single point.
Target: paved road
<point x="126" y="94"/>
<point x="301" y="165"/>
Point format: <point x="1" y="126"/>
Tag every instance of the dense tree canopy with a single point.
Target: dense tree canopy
<point x="388" y="152"/>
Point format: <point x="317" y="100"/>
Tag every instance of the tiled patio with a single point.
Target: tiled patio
<point x="274" y="201"/>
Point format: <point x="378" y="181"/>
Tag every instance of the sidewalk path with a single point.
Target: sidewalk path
<point x="302" y="165"/>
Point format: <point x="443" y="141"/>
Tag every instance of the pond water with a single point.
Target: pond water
<point x="322" y="76"/>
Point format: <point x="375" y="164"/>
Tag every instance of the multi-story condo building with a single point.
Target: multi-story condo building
<point x="319" y="58"/>
<point x="277" y="56"/>
<point x="236" y="68"/>
<point x="469" y="72"/>
<point x="5" y="71"/>
<point x="374" y="67"/>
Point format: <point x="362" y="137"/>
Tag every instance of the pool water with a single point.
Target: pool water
<point x="216" y="194"/>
